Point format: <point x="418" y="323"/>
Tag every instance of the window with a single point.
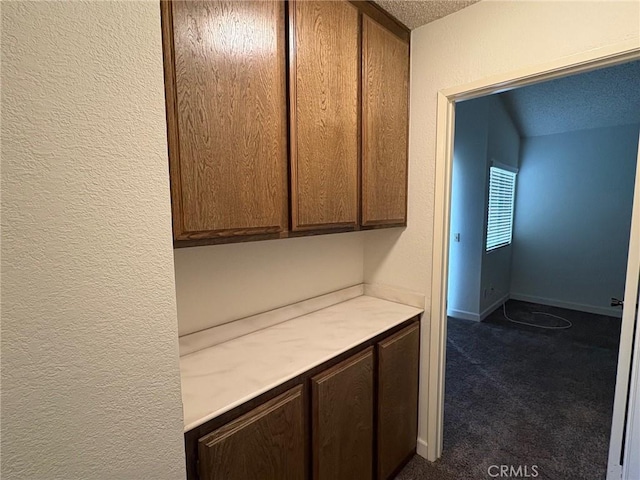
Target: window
<point x="502" y="187"/>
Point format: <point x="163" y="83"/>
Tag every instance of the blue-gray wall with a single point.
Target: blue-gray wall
<point x="467" y="207"/>
<point x="573" y="217"/>
<point x="503" y="147"/>
<point x="478" y="281"/>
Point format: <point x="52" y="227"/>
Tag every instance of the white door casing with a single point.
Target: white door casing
<point x="631" y="464"/>
<point x="627" y="385"/>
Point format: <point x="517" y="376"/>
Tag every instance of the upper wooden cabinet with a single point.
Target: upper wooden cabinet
<point x="274" y="135"/>
<point x="324" y="84"/>
<point x="226" y="113"/>
<point x="385" y="74"/>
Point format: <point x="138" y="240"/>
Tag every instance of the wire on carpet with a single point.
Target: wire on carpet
<point x="559" y="327"/>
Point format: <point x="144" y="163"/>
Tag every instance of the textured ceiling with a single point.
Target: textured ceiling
<point x="602" y="98"/>
<point x="414" y="13"/>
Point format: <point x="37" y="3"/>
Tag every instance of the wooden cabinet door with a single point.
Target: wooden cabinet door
<point x="385" y="120"/>
<point x="226" y="114"/>
<point x="398" y="363"/>
<point x="268" y="443"/>
<point x="342" y="420"/>
<point x="324" y="57"/>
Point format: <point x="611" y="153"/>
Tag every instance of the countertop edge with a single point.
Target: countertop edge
<point x="320" y="360"/>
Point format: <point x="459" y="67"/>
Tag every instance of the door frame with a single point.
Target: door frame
<point x="627" y="397"/>
<point x="570" y="65"/>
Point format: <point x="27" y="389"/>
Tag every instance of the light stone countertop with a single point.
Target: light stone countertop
<point x="219" y="378"/>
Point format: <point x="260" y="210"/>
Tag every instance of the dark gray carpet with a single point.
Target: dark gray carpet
<point x="517" y="395"/>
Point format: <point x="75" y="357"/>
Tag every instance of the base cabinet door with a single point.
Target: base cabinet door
<point x="342" y="420"/>
<point x="398" y="362"/>
<point x="268" y="443"/>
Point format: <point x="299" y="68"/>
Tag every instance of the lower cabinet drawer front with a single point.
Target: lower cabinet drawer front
<point x="342" y="420"/>
<point x="268" y="443"/>
<point x="398" y="363"/>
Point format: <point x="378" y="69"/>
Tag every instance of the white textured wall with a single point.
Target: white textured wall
<point x="221" y="283"/>
<point x="487" y="38"/>
<point x="484" y="39"/>
<point x="90" y="379"/>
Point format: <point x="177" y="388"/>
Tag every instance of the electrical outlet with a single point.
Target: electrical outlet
<point x="456" y="237"/>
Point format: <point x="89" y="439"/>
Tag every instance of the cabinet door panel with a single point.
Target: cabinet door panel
<point x="385" y="73"/>
<point x="226" y="110"/>
<point x="398" y="363"/>
<point x="268" y="443"/>
<point x="342" y="425"/>
<point x="324" y="114"/>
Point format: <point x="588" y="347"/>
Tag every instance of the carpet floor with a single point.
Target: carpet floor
<point x="521" y="396"/>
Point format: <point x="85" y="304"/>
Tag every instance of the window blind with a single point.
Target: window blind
<point x="502" y="186"/>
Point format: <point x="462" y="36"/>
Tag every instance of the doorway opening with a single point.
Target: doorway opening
<point x="444" y="167"/>
<point x="541" y="199"/>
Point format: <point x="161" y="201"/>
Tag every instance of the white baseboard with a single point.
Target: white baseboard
<point x="463" y="315"/>
<point x="477" y="317"/>
<point x="494" y="306"/>
<point x="609" y="311"/>
<point x="421" y="449"/>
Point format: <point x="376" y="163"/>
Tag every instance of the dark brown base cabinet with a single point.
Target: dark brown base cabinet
<point x="342" y="420"/>
<point x="398" y="365"/>
<point x="354" y="417"/>
<point x="267" y="443"/>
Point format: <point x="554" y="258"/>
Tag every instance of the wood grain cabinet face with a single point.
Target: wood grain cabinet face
<point x="342" y="420"/>
<point x="398" y="363"/>
<point x="268" y="443"/>
<point x="226" y="114"/>
<point x="324" y="86"/>
<point x="385" y="74"/>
